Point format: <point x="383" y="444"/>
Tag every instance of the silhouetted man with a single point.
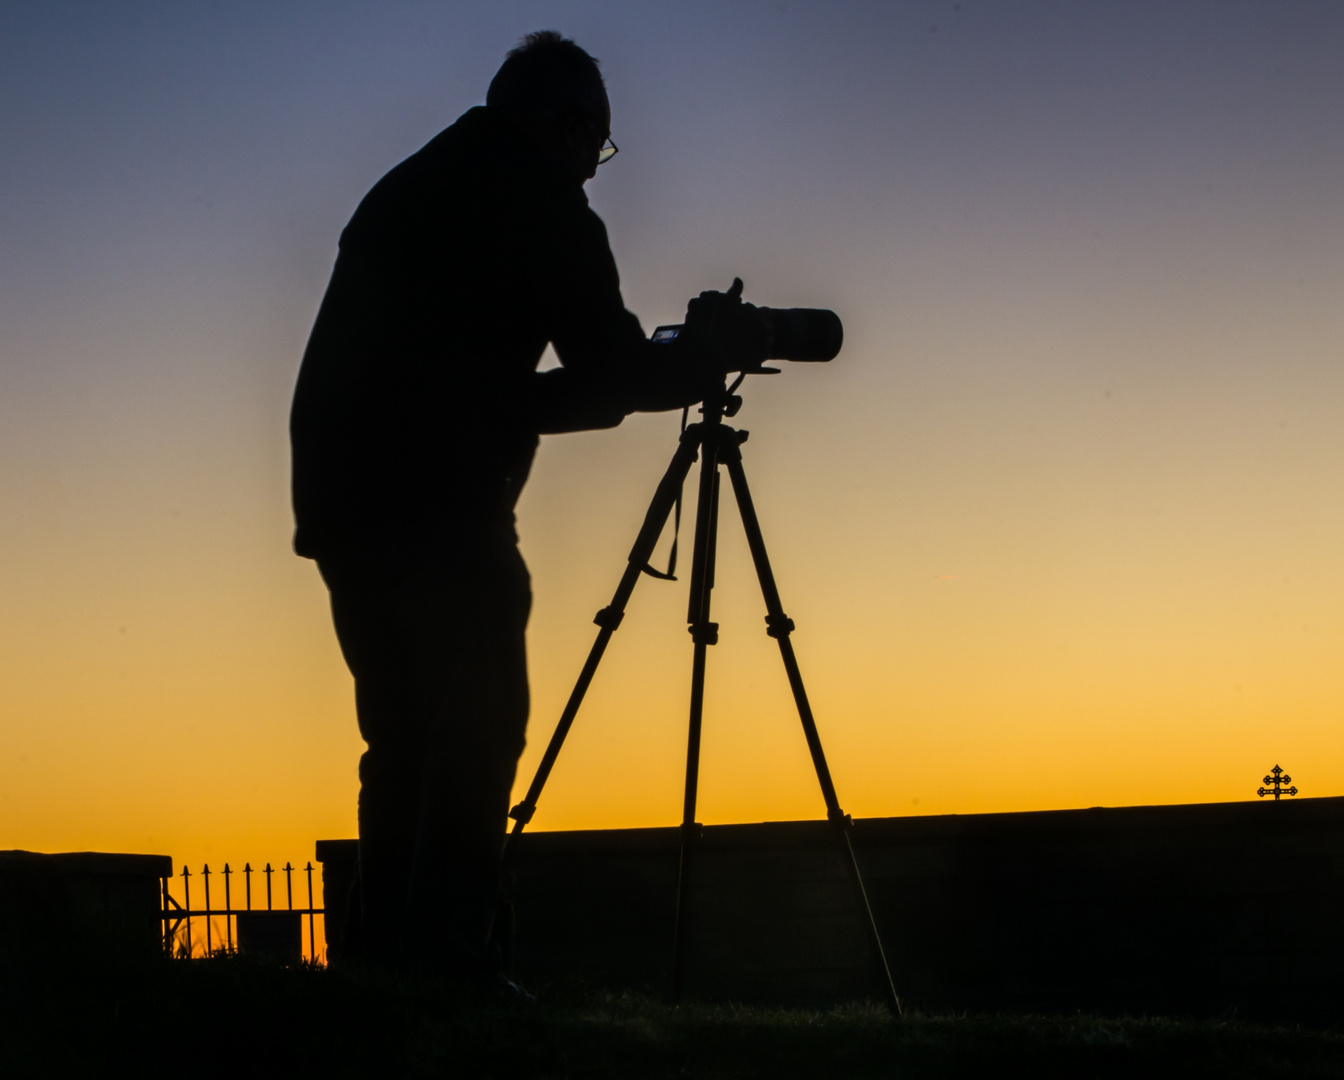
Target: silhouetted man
<point x="414" y="423"/>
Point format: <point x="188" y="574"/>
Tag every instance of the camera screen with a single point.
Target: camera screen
<point x="665" y="335"/>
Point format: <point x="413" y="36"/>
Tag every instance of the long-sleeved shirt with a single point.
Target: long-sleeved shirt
<point x="418" y="403"/>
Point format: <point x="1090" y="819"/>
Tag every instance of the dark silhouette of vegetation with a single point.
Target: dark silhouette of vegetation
<point x="235" y="1016"/>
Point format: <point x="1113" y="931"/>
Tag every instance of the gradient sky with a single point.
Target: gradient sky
<point x="1061" y="527"/>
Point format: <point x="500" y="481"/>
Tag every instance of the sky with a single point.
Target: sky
<point x="1060" y="527"/>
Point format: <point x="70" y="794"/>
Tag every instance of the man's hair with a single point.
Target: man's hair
<point x="547" y="75"/>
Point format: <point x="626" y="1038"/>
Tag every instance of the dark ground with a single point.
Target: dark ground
<point x="232" y="1016"/>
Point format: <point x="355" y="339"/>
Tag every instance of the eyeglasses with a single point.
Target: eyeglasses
<point x="608" y="151"/>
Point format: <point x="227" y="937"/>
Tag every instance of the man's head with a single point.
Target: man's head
<point x="556" y="88"/>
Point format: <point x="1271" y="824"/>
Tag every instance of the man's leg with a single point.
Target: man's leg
<point x="435" y="640"/>
<point x="378" y="647"/>
<point x="477" y="667"/>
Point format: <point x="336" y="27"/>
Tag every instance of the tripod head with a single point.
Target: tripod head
<point x="725" y="402"/>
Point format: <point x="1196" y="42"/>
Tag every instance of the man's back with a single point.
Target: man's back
<point x="416" y="408"/>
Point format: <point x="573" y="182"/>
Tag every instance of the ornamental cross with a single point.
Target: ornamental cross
<point x="1277" y="779"/>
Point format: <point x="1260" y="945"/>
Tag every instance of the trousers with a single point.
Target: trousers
<point x="433" y="631"/>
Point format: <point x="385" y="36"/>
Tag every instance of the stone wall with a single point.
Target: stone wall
<point x="1231" y="908"/>
<point x="79" y="905"/>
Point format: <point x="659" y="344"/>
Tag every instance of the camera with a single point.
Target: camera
<point x="746" y="336"/>
<point x="803" y="335"/>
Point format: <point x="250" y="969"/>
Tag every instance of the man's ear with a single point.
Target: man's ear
<point x="575" y="130"/>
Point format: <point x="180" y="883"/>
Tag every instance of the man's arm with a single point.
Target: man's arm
<point x="565" y="400"/>
<point x="609" y="368"/>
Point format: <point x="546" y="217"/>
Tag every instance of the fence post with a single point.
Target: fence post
<point x="228" y="924"/>
<point x="268" y="872"/>
<point x="186" y="894"/>
<point x="209" y="942"/>
<point x="312" y="941"/>
<point x="167" y="942"/>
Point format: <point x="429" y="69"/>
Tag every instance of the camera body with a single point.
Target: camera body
<point x="803" y="335"/>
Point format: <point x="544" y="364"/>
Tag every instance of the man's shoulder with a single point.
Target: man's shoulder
<point x="413" y="189"/>
<point x="478" y="175"/>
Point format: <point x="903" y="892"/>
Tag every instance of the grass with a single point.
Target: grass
<point x="237" y="1017"/>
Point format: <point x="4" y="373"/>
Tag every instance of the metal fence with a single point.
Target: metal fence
<point x="246" y="928"/>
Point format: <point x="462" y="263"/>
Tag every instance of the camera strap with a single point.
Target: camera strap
<point x="671" y="574"/>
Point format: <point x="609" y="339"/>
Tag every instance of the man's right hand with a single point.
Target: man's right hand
<point x="731" y="331"/>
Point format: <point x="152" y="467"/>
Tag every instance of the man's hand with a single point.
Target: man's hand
<point x="730" y="331"/>
<point x="720" y="334"/>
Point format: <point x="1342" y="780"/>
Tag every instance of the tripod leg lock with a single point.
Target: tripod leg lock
<point x="778" y="626"/>
<point x="609" y="618"/>
<point x="704" y="633"/>
<point x="839" y="817"/>
<point x="691" y="831"/>
<point x="522" y="812"/>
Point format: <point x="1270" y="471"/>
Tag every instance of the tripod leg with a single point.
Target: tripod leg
<point x="779" y="626"/>
<point x="704" y="633"/>
<point x="609" y="618"/>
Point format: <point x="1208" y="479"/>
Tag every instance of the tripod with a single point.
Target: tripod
<point x="716" y="444"/>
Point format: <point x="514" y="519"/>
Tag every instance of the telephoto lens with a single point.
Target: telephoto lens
<point x="806" y="335"/>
